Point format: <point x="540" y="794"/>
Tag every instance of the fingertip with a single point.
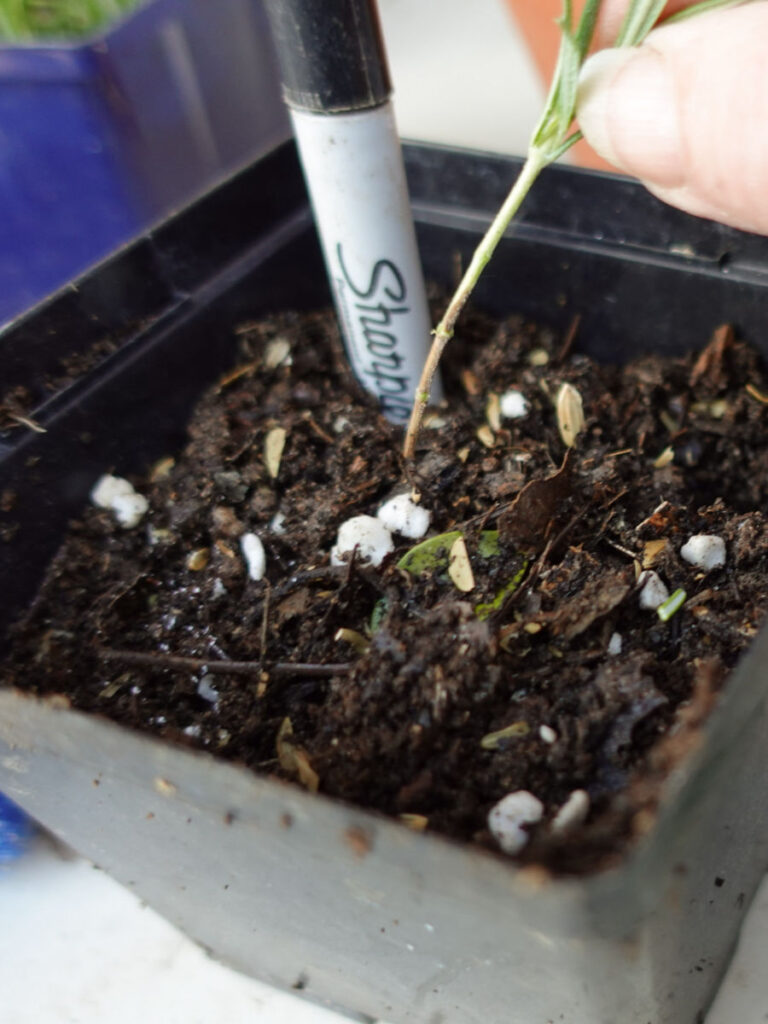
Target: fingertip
<point x="628" y="113"/>
<point x="594" y="99"/>
<point x="686" y="113"/>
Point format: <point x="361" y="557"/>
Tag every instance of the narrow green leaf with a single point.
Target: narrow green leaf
<point x="565" y="146"/>
<point x="586" y="27"/>
<point x="640" y="18"/>
<point x="569" y="82"/>
<point x="672" y="605"/>
<point x="702" y="7"/>
<point x="561" y="101"/>
<point x="547" y="127"/>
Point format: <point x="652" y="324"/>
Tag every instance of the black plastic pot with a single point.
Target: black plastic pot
<point x="271" y="879"/>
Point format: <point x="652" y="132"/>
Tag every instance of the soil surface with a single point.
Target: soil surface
<point x="436" y="702"/>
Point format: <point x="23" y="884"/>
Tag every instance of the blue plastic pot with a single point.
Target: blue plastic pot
<point x="15" y="830"/>
<point x="99" y="139"/>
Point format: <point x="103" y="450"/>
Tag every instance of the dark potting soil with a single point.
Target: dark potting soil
<point x="18" y="404"/>
<point x="160" y="628"/>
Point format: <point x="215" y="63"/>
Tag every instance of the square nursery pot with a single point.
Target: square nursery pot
<point x="307" y="893"/>
<point x="102" y="137"/>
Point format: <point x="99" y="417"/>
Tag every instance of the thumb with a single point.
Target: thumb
<point x="687" y="113"/>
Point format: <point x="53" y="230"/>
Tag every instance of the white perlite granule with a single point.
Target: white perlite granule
<point x="366" y="533"/>
<point x="207" y="690"/>
<point x="507" y="820"/>
<point x="255" y="556"/>
<point x="118" y="495"/>
<point x="573" y="812"/>
<point x="653" y="590"/>
<point x="547" y="734"/>
<point x="513" y="405"/>
<point x="704" y="551"/>
<point x="615" y="644"/>
<point x="277" y="523"/>
<point x="402" y="515"/>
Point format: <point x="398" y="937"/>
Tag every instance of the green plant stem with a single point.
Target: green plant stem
<point x="443" y="333"/>
<point x="550" y="141"/>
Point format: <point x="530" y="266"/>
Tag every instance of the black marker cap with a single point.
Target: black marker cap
<point x="331" y="54"/>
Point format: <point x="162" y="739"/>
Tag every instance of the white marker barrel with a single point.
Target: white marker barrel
<point x="354" y="171"/>
<point x="337" y="86"/>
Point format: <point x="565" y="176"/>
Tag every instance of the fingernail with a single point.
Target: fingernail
<point x="627" y="109"/>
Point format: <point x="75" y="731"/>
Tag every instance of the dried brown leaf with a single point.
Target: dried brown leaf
<point x="308" y="777"/>
<point x="665" y="458"/>
<point x="293" y="759"/>
<point x="524" y="524"/>
<point x="570" y="414"/>
<point x="653" y="550"/>
<point x="710" y="368"/>
<point x="485" y="436"/>
<point x="274" y="443"/>
<point x="198" y="559"/>
<point x="596" y="599"/>
<point x="459" y="566"/>
<point x="162" y="469"/>
<point x="277" y="353"/>
<point x="293" y="606"/>
<point x="493" y="412"/>
<point x="353" y="638"/>
<point x="470" y="382"/>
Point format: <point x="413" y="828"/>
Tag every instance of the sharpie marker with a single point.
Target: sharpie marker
<point x="337" y="87"/>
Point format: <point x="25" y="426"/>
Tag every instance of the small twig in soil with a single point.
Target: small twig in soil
<point x="325" y="574"/>
<point x="265" y="622"/>
<point x="28" y="422"/>
<point x="621" y="549"/>
<point x="484" y="519"/>
<point x="315" y="426"/>
<point x="755" y="393"/>
<point x="241" y="371"/>
<point x="614" y="499"/>
<point x="368" y="577"/>
<point x="181" y="663"/>
<point x="568" y="340"/>
<point x="554" y="541"/>
<point x="733" y="580"/>
<point x="351" y="566"/>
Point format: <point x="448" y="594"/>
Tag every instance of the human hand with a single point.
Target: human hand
<point x="686" y="112"/>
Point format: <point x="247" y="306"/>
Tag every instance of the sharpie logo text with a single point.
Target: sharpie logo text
<point x="375" y="313"/>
